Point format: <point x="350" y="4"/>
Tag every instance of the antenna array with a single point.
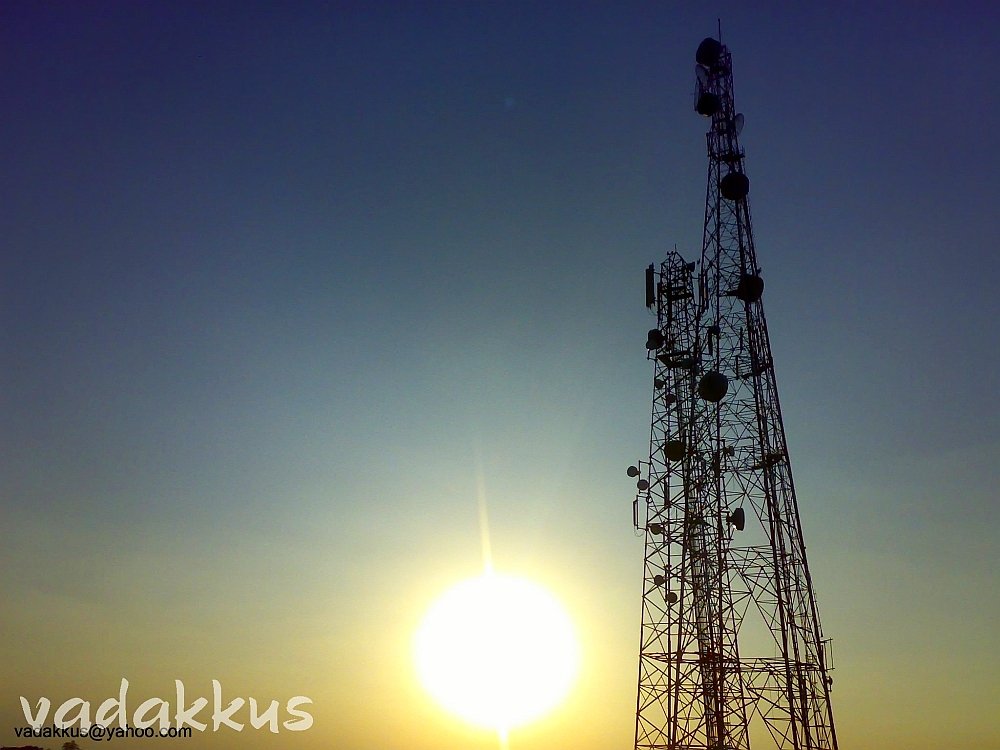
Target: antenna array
<point x="731" y="646"/>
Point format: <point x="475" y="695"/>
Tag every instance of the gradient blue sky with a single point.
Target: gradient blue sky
<point x="276" y="280"/>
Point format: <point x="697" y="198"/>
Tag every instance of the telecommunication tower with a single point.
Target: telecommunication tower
<point x="731" y="646"/>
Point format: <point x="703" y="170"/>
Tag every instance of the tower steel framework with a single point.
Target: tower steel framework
<point x="731" y="636"/>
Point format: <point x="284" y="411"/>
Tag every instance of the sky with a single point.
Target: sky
<point x="282" y="284"/>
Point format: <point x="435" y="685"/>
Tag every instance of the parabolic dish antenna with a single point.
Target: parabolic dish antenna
<point x="702" y="75"/>
<point x="738" y="124"/>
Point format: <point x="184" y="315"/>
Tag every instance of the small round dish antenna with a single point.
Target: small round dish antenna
<point x="701" y="73"/>
<point x="734" y="186"/>
<point x="713" y="386"/>
<point x="709" y="52"/>
<point x="708" y="104"/>
<point x="738" y="124"/>
<point x="738" y="519"/>
<point x="674" y="450"/>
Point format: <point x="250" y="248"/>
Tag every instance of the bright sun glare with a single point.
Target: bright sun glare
<point x="496" y="650"/>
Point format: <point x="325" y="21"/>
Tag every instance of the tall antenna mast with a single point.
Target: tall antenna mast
<point x="731" y="647"/>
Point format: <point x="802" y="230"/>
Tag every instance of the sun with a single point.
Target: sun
<point x="497" y="650"/>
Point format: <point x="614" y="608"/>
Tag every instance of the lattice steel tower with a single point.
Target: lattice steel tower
<point x="731" y="647"/>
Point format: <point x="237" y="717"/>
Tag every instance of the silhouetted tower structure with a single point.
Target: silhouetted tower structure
<point x="731" y="647"/>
